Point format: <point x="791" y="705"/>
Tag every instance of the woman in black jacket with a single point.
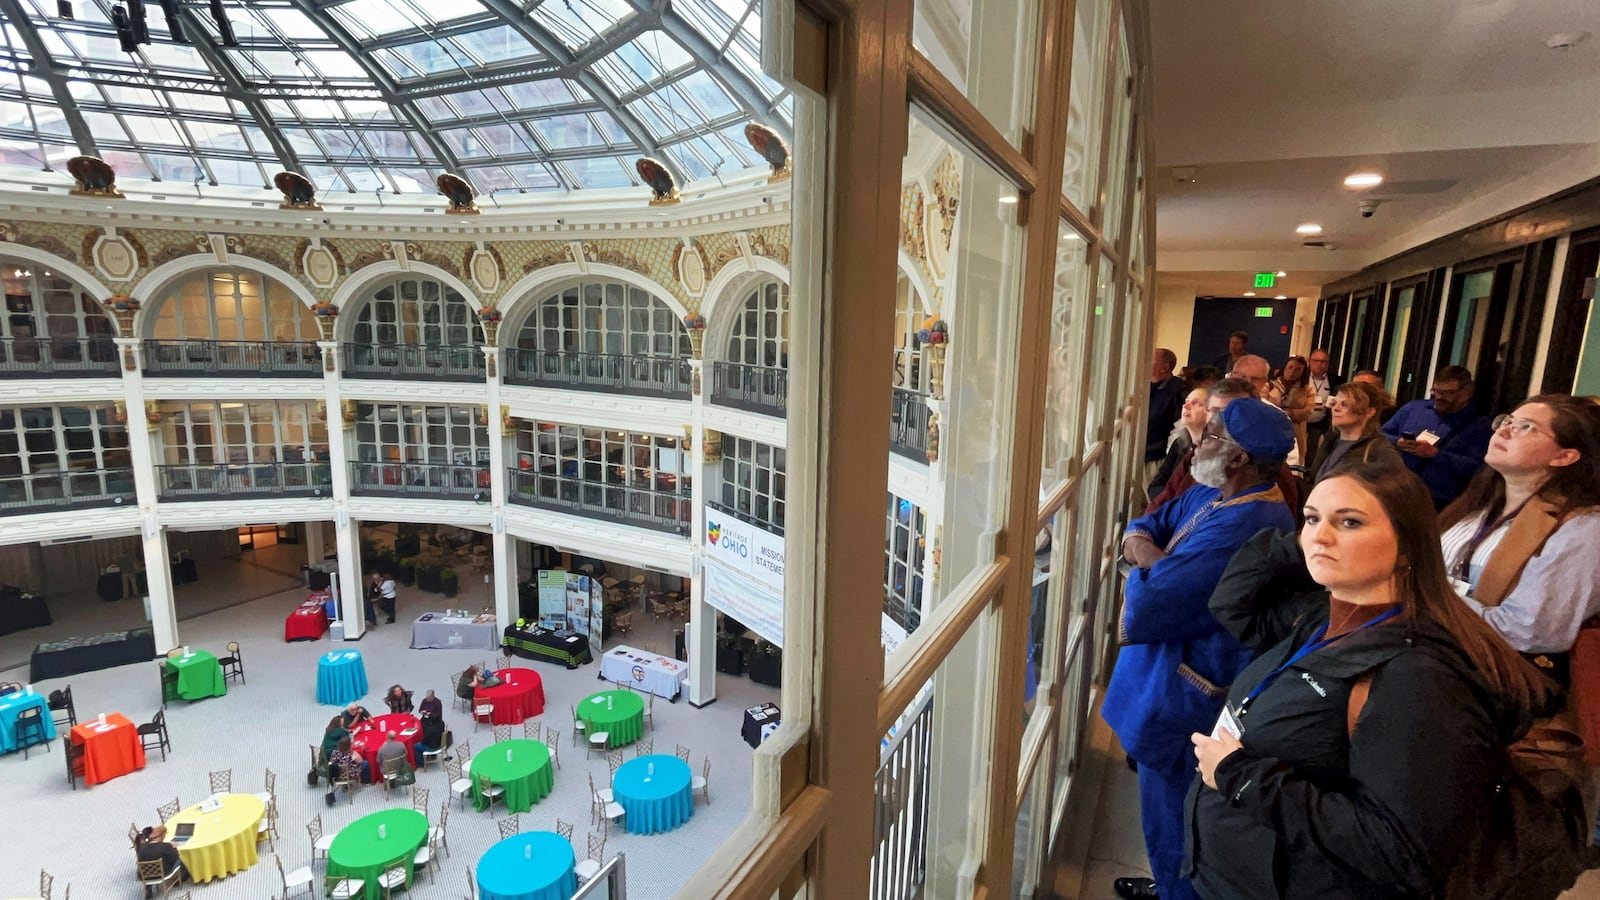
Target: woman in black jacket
<point x="1306" y="801"/>
<point x="1353" y="432"/>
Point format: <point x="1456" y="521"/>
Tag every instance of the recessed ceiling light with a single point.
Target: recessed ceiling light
<point x="1283" y="274"/>
<point x="1009" y="198"/>
<point x="1363" y="180"/>
<point x="1249" y="293"/>
<point x="1308" y="228"/>
<point x="1281" y="297"/>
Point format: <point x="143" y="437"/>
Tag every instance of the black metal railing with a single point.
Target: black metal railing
<point x="296" y="359"/>
<point x="625" y="504"/>
<point x="908" y="424"/>
<point x="411" y="479"/>
<point x="214" y="481"/>
<point x="764" y="522"/>
<point x="654" y="376"/>
<point x="49" y="491"/>
<point x="30" y="357"/>
<point x="413" y="361"/>
<point x="755" y="388"/>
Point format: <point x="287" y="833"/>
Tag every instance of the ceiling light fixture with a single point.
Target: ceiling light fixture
<point x="1363" y="180"/>
<point x="1308" y="228"/>
<point x="1281" y="297"/>
<point x="1282" y="274"/>
<point x="1009" y="198"/>
<point x="1249" y="293"/>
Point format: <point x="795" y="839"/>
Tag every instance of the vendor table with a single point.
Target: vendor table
<point x="533" y="865"/>
<point x="358" y="851"/>
<point x="437" y="631"/>
<point x="90" y="652"/>
<point x="199" y="675"/>
<point x="520" y="766"/>
<point x="308" y="622"/>
<point x="655" y="791"/>
<point x="224" y="839"/>
<point x="341" y="677"/>
<point x="15" y="704"/>
<point x="531" y="642"/>
<point x="618" y="713"/>
<point x="759" y="721"/>
<point x="521" y="697"/>
<point x="660" y="675"/>
<point x="110" y="751"/>
<point x="20" y="610"/>
<point x="368" y="738"/>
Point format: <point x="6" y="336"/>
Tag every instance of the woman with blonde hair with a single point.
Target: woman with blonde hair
<point x="1297" y="398"/>
<point x="1353" y="431"/>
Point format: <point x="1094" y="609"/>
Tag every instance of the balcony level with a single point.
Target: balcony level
<point x="205" y="358"/>
<point x="390" y="361"/>
<point x="756" y="389"/>
<point x="908" y="425"/>
<point x="645" y="376"/>
<point x="623" y="504"/>
<point x="35" y="357"/>
<point x="231" y="480"/>
<point x="426" y="481"/>
<point x="56" y="491"/>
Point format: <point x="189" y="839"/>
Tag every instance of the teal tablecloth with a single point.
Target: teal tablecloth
<point x="658" y="799"/>
<point x="534" y="865"/>
<point x="13" y="705"/>
<point x="341" y="677"/>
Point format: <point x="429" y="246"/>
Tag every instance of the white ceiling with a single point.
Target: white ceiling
<point x="1458" y="103"/>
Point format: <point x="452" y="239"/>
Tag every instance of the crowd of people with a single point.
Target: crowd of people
<point x="1323" y="670"/>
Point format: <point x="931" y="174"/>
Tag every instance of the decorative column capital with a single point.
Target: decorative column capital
<point x="124" y="309"/>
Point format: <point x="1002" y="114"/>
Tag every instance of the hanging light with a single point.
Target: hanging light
<point x="224" y="27"/>
<point x="64" y="9"/>
<point x="169" y="9"/>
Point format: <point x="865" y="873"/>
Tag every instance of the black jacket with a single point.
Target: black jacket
<point x="1305" y="810"/>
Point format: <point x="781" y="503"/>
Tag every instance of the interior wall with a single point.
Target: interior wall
<point x="1174" y="316"/>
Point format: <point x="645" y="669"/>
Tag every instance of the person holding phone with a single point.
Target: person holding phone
<point x="1442" y="439"/>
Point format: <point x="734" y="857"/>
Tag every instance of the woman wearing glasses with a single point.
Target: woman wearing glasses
<point x="1519" y="542"/>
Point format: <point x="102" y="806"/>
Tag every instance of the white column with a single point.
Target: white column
<point x="505" y="560"/>
<point x="145" y="453"/>
<point x="314" y="551"/>
<point x="700" y="634"/>
<point x="158" y="575"/>
<point x="352" y="586"/>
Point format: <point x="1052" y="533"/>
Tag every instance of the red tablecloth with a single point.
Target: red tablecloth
<point x="107" y="754"/>
<point x="306" y="623"/>
<point x="366" y="742"/>
<point x="521" y="697"/>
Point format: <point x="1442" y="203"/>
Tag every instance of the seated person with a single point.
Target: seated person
<point x="434" y="735"/>
<point x="393" y="749"/>
<point x="152" y="844"/>
<point x="330" y="738"/>
<point x="355" y="714"/>
<point x="430" y="707"/>
<point x="469" y="681"/>
<point x="343" y="756"/>
<point x="398" y="699"/>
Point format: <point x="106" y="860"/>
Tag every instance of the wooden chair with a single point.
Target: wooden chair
<point x="133" y="835"/>
<point x="506" y="662"/>
<point x="423" y="860"/>
<point x="509" y="826"/>
<point x="319" y="842"/>
<point x="590" y="867"/>
<point x="439" y="835"/>
<point x="532" y="729"/>
<point x="502" y="733"/>
<point x="482" y="714"/>
<point x="458" y="701"/>
<point x="233" y="663"/>
<point x="436" y="754"/>
<point x="599" y="799"/>
<point x="460" y="786"/>
<point x="650" y="710"/>
<point x="389" y="774"/>
<point x="683" y="753"/>
<point x="297" y="882"/>
<point x="151" y="875"/>
<point x="167" y="810"/>
<point x="153" y="734"/>
<point x="419" y="800"/>
<point x="393" y="877"/>
<point x="222" y="781"/>
<point x="578" y="725"/>
<point x="74" y="755"/>
<point x="643" y="748"/>
<point x="702" y="782"/>
<point x="464" y="752"/>
<point x="45" y="882"/>
<point x="489" y="791"/>
<point x="341" y="888"/>
<point x="564" y="828"/>
<point x="269" y="797"/>
<point x="600" y="740"/>
<point x="615" y="759"/>
<point x="349" y="777"/>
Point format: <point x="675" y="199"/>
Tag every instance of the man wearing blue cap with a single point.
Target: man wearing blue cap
<point x="1176" y="662"/>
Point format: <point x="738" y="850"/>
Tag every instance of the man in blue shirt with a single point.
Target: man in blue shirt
<point x="1167" y="394"/>
<point x="1176" y="662"/>
<point x="1442" y="439"/>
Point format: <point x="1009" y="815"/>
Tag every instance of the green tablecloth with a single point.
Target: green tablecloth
<point x="199" y="675"/>
<point x="526" y="776"/>
<point x="358" y="852"/>
<point x="618" y="713"/>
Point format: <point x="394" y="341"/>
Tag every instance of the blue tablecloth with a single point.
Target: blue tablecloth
<point x="341" y="677"/>
<point x="655" y="802"/>
<point x="11" y="706"/>
<point x="508" y="871"/>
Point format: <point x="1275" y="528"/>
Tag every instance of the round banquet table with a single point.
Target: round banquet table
<point x="224" y="839"/>
<point x="308" y="622"/>
<point x="618" y="713"/>
<point x="526" y="776"/>
<point x="341" y="677"/>
<point x="358" y="852"/>
<point x="533" y="865"/>
<point x="199" y="675"/>
<point x="521" y="697"/>
<point x="655" y="801"/>
<point x="15" y="704"/>
<point x="367" y="740"/>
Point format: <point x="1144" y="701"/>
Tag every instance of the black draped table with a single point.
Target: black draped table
<point x="531" y="642"/>
<point x="90" y="652"/>
<point x="19" y="610"/>
<point x="759" y="721"/>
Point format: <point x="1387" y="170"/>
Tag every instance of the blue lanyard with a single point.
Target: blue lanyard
<point x="1316" y="643"/>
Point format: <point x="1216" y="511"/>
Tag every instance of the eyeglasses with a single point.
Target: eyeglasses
<point x="1519" y="427"/>
<point x="1213" y="436"/>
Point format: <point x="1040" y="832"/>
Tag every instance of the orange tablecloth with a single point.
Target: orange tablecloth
<point x="520" y="697"/>
<point x="107" y="754"/>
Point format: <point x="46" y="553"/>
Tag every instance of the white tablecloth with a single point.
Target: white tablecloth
<point x="660" y="675"/>
<point x="454" y="632"/>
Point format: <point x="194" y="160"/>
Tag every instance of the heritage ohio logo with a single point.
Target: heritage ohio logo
<point x="713" y="532"/>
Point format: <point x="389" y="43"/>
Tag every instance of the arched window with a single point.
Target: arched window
<point x="761" y="333"/>
<point x="231" y="305"/>
<point x="51" y="320"/>
<point x="416" y="311"/>
<point x="909" y="371"/>
<point x="605" y="318"/>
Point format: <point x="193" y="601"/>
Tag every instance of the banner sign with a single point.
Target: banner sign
<point x="553" y="599"/>
<point x="754" y="552"/>
<point x="578" y="603"/>
<point x="597" y="618"/>
<point x="759" y="609"/>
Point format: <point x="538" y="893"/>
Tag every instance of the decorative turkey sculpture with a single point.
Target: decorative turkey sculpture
<point x="298" y="191"/>
<point x="772" y="149"/>
<point x="459" y="193"/>
<point x="95" y="178"/>
<point x="661" y="182"/>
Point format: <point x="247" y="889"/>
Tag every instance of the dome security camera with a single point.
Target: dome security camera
<point x="1368" y="207"/>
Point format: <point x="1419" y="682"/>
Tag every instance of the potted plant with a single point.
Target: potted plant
<point x="405" y="571"/>
<point x="730" y="654"/>
<point x="448" y="583"/>
<point x="766" y="664"/>
<point x="428" y="577"/>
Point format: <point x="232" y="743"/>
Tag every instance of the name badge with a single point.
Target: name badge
<point x="1227" y="722"/>
<point x="1329" y="400"/>
<point x="1427" y="437"/>
<point x="1463" y="588"/>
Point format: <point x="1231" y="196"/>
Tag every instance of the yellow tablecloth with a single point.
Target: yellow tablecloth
<point x="224" y="840"/>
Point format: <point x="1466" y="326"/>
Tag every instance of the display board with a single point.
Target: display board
<point x="553" y="599"/>
<point x="761" y="610"/>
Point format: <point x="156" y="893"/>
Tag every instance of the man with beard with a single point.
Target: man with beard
<point x="1181" y="478"/>
<point x="1176" y="662"/>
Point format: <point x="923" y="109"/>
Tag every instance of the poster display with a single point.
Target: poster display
<point x="577" y="603"/>
<point x="760" y="610"/>
<point x="553" y="599"/>
<point x="597" y="619"/>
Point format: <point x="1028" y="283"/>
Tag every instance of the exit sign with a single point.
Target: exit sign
<point x="1266" y="279"/>
<point x="1263" y="312"/>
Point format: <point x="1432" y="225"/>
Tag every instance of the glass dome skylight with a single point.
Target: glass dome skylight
<point x="383" y="95"/>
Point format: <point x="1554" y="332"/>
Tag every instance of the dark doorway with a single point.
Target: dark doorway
<point x="1217" y="317"/>
<point x="1572" y="314"/>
